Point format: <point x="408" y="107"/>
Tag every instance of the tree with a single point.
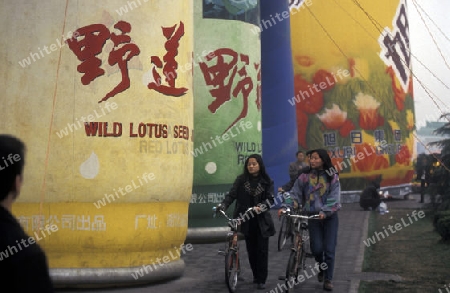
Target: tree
<point x="441" y="174"/>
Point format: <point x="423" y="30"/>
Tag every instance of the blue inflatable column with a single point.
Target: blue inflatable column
<point x="279" y="127"/>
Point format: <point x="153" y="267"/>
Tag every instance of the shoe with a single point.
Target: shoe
<point x="320" y="276"/>
<point x="327" y="286"/>
<point x="261" y="286"/>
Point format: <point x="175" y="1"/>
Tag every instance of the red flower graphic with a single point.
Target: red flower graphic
<point x="371" y="161"/>
<point x="324" y="80"/>
<point x="311" y="98"/>
<point x="346" y="128"/>
<point x="336" y="119"/>
<point x="399" y="95"/>
<point x="403" y="156"/>
<point x="369" y="118"/>
<point x="302" y="126"/>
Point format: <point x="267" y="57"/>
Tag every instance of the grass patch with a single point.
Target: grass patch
<point x="414" y="251"/>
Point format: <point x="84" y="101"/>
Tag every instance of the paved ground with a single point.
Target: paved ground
<point x="205" y="268"/>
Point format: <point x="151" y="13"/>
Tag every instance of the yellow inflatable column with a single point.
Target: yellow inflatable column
<point x="353" y="89"/>
<point x="101" y="93"/>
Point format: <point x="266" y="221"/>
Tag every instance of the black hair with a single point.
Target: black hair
<point x="374" y="181"/>
<point x="262" y="167"/>
<point x="298" y="152"/>
<point x="12" y="162"/>
<point x="327" y="164"/>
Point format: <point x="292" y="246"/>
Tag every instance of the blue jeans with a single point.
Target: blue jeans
<point x="323" y="239"/>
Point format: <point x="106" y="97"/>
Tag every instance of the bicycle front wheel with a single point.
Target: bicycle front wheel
<point x="231" y="270"/>
<point x="301" y="254"/>
<point x="284" y="233"/>
<point x="291" y="272"/>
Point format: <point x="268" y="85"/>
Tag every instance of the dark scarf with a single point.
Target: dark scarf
<point x="253" y="186"/>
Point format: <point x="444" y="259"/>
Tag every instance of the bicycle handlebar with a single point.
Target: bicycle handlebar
<point x="240" y="218"/>
<point x="287" y="212"/>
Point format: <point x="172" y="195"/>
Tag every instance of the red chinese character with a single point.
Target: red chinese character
<point x="93" y="38"/>
<point x="245" y="85"/>
<point x="217" y="74"/>
<point x="116" y="56"/>
<point x="173" y="38"/>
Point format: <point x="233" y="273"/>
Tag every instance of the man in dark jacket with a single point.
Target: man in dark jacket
<point x="423" y="174"/>
<point x="23" y="264"/>
<point x="295" y="168"/>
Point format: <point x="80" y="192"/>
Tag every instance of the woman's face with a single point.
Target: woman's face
<point x="315" y="161"/>
<point x="253" y="166"/>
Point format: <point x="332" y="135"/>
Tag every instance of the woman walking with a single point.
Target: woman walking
<point x="319" y="190"/>
<point x="254" y="188"/>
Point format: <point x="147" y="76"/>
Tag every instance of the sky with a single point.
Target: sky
<point x="425" y="51"/>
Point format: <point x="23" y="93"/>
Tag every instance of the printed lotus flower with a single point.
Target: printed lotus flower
<point x="324" y="80"/>
<point x="371" y="160"/>
<point x="302" y="126"/>
<point x="311" y="98"/>
<point x="403" y="157"/>
<point x="337" y="164"/>
<point x="399" y="94"/>
<point x="368" y="112"/>
<point x="335" y="119"/>
<point x="346" y="128"/>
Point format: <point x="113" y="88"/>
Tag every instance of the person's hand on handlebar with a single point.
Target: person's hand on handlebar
<point x="322" y="216"/>
<point x="220" y="207"/>
<point x="281" y="211"/>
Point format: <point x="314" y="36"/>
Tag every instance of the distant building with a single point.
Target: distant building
<point x="426" y="135"/>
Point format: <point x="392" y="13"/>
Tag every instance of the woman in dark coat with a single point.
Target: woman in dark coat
<point x="254" y="188"/>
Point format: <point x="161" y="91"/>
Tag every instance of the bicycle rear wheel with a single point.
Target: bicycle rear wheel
<point x="291" y="272"/>
<point x="231" y="270"/>
<point x="285" y="233"/>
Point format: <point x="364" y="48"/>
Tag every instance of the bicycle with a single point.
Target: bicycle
<point x="300" y="249"/>
<point x="231" y="252"/>
<point x="287" y="226"/>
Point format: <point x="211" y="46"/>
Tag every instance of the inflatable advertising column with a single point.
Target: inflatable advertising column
<point x="227" y="105"/>
<point x="101" y="93"/>
<point x="279" y="121"/>
<point x="353" y="88"/>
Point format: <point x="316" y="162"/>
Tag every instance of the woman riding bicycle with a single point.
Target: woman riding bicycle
<point x="254" y="188"/>
<point x="320" y="190"/>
